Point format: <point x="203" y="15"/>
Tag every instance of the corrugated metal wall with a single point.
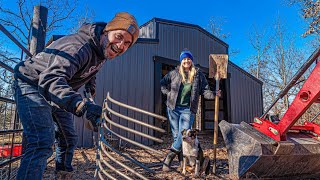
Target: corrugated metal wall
<point x="173" y="39"/>
<point x="130" y="77"/>
<point x="245" y="96"/>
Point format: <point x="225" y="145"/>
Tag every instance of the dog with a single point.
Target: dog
<point x="193" y="154"/>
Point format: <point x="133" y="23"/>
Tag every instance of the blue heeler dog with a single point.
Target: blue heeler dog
<point x="193" y="154"/>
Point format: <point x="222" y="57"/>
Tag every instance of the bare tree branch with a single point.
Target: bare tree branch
<point x="5" y="11"/>
<point x="310" y="10"/>
<point x="54" y="21"/>
<point x="24" y="20"/>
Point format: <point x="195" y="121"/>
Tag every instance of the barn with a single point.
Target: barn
<point x="134" y="79"/>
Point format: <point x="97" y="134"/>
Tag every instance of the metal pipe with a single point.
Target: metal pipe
<point x="314" y="117"/>
<point x="134" y="120"/>
<point x="100" y="176"/>
<point x="12" y="146"/>
<point x="114" y="169"/>
<point x="295" y="78"/>
<point x="135" y="109"/>
<point x="125" y="156"/>
<point x="131" y="141"/>
<point x="105" y="172"/>
<point x="4" y="163"/>
<point x="133" y="131"/>
<point x="11" y="131"/>
<point x="7" y="33"/>
<point x="6" y="67"/>
<point x="121" y="164"/>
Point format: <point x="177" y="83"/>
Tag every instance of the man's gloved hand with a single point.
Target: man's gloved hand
<point x="91" y="90"/>
<point x="93" y="111"/>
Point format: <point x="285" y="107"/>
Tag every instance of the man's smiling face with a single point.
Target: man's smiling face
<point x="115" y="43"/>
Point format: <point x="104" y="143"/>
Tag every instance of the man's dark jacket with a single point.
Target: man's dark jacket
<point x="170" y="85"/>
<point x="65" y="65"/>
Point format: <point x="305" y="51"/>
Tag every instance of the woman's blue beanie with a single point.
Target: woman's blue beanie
<point x="184" y="54"/>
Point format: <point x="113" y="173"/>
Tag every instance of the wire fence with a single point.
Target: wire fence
<point x="11" y="138"/>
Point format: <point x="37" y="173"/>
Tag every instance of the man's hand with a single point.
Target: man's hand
<point x="92" y="111"/>
<point x="91" y="90"/>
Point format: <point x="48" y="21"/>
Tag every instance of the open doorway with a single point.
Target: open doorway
<point x="207" y="106"/>
<point x="161" y="67"/>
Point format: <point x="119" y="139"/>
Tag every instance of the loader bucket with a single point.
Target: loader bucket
<point x="252" y="154"/>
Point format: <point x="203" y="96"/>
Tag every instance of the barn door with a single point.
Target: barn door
<point x="208" y="106"/>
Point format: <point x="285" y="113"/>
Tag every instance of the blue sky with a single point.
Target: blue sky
<point x="239" y="16"/>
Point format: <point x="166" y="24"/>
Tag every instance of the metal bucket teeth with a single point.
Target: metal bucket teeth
<point x="252" y="154"/>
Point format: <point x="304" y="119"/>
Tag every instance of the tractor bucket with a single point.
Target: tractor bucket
<point x="252" y="154"/>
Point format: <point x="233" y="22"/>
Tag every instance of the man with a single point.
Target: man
<point x="45" y="90"/>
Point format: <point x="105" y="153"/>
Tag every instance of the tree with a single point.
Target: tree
<point x="216" y="26"/>
<point x="310" y="10"/>
<point x="261" y="43"/>
<point x="275" y="62"/>
<point x="19" y="21"/>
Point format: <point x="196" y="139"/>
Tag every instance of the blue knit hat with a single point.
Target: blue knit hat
<point x="185" y="54"/>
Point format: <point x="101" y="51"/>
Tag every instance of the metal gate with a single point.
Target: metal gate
<point x="107" y="165"/>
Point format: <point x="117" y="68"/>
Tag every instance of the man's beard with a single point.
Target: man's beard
<point x="105" y="44"/>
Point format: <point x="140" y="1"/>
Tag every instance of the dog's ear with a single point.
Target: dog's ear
<point x="183" y="131"/>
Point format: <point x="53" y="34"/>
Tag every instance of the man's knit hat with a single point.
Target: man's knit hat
<point x="124" y="21"/>
<point x="185" y="54"/>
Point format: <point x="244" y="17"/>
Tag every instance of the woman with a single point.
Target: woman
<point x="182" y="86"/>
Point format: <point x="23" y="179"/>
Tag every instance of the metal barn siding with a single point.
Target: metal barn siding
<point x="245" y="95"/>
<point x="173" y="39"/>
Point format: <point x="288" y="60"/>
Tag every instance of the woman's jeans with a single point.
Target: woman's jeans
<point x="180" y="118"/>
<point x="43" y="123"/>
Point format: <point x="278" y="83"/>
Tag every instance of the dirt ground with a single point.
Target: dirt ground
<point x="84" y="162"/>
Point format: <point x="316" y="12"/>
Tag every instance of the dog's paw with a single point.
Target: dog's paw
<point x="184" y="172"/>
<point x="196" y="175"/>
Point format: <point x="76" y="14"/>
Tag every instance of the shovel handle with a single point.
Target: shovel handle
<point x="215" y="133"/>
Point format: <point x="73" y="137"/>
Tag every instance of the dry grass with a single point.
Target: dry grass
<point x="84" y="162"/>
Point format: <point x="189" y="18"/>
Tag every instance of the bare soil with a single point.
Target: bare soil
<point x="85" y="165"/>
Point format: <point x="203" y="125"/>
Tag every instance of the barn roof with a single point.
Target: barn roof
<point x="183" y="24"/>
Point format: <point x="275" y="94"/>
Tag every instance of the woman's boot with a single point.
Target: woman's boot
<point x="167" y="162"/>
<point x="180" y="158"/>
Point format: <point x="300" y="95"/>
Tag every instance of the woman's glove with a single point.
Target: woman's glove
<point x="218" y="93"/>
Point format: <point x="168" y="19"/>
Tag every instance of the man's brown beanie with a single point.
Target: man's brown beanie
<point x="124" y="21"/>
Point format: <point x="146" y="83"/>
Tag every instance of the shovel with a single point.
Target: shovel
<point x="218" y="70"/>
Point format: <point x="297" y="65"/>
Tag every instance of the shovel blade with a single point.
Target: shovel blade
<point x="252" y="154"/>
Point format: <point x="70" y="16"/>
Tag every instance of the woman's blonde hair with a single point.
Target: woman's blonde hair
<point x="191" y="73"/>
